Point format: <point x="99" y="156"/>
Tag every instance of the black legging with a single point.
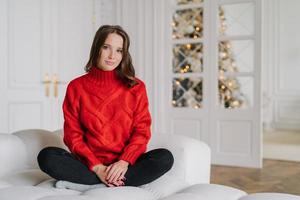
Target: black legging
<point x="62" y="165"/>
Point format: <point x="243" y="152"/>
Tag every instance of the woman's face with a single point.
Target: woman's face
<point x="111" y="52"/>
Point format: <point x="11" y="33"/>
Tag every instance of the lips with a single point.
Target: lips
<point x="109" y="62"/>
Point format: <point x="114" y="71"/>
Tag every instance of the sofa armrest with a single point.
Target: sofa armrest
<point x="12" y="154"/>
<point x="192" y="158"/>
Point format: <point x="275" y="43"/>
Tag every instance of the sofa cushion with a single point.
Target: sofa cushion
<point x="165" y="186"/>
<point x="184" y="196"/>
<point x="26" y="177"/>
<point x="117" y="193"/>
<point x="208" y="192"/>
<point x="70" y="197"/>
<point x="25" y="193"/>
<point x="159" y="188"/>
<point x="44" y="193"/>
<point x="270" y="196"/>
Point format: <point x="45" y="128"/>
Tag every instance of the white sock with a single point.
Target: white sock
<point x="77" y="186"/>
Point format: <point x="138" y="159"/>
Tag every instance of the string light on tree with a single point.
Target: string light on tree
<point x="188" y="46"/>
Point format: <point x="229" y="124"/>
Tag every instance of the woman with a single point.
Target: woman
<point x="107" y="122"/>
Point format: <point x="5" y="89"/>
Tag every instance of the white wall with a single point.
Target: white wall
<point x="281" y="66"/>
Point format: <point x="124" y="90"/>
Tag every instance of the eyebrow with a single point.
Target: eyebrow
<point x="110" y="45"/>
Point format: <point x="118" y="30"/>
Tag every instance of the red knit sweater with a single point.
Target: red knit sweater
<point x="105" y="121"/>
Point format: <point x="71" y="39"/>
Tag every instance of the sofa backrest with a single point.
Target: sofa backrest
<point x="12" y="154"/>
<point x="37" y="139"/>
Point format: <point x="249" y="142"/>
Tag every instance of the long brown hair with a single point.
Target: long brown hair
<point x="125" y="69"/>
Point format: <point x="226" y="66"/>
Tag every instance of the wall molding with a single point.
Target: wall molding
<point x="274" y="91"/>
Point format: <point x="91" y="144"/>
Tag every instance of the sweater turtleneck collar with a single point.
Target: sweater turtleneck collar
<point x="103" y="78"/>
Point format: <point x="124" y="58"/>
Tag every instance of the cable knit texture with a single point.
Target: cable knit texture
<point x="106" y="121"/>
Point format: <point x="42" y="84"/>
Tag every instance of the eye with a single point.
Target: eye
<point x="104" y="47"/>
<point x="120" y="51"/>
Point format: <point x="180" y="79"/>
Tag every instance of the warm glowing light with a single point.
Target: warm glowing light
<point x="188" y="46"/>
<point x="223" y="54"/>
<point x="236" y="103"/>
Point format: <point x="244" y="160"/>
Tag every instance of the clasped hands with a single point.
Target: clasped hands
<point x="112" y="175"/>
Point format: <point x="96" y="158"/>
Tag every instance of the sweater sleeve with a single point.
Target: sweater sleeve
<point x="141" y="134"/>
<point x="73" y="131"/>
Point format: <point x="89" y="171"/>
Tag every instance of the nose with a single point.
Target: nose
<point x="111" y="54"/>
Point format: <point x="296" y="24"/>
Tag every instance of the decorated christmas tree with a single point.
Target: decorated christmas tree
<point x="188" y="58"/>
<point x="230" y="94"/>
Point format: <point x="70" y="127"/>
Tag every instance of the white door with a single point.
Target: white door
<point x="24" y="61"/>
<point x="40" y="41"/>
<point x="213" y="80"/>
<point x="236" y="127"/>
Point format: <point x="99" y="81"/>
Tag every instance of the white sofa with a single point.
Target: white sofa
<point x="21" y="179"/>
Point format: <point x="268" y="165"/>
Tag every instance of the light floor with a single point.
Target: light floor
<point x="279" y="173"/>
<point x="275" y="176"/>
<point x="282" y="145"/>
